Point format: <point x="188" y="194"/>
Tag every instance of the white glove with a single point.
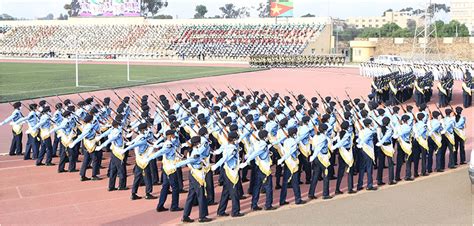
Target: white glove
<point x="378" y="144"/>
<point x="242" y="165"/>
<point x="97" y="139"/>
<point x="213" y="167"/>
<point x="98" y="148"/>
<point x="311" y="159"/>
<point x="280" y="161"/>
<point x="128" y="143"/>
<point x="72" y="145"/>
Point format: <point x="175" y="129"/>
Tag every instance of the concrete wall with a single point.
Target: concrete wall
<point x="321" y="44"/>
<point x="449" y="48"/>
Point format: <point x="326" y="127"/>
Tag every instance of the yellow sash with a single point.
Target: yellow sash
<point x="450" y="137"/>
<point x="418" y="88"/>
<point x="406" y="147"/>
<point x="66" y="140"/>
<point x="246" y="146"/>
<point x="89" y="145"/>
<point x="168" y="165"/>
<point x="32" y="133"/>
<point x="437" y="139"/>
<point x="264" y="166"/>
<point x="104" y="128"/>
<point x="422" y="142"/>
<point x="324" y="159"/>
<point x="369" y="151"/>
<point x="305" y="149"/>
<point x="190" y="131"/>
<point x="117" y="151"/>
<point x="388" y="150"/>
<point x="232" y="174"/>
<point x="45" y="133"/>
<point x="16" y="128"/>
<point x="441" y="89"/>
<point x="394" y="90"/>
<point x="141" y="159"/>
<point x="460" y="133"/>
<point x="199" y="175"/>
<point x="207" y="166"/>
<point x="347" y="156"/>
<point x="466" y="89"/>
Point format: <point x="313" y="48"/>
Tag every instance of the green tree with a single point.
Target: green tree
<point x="168" y="17"/>
<point x="201" y="10"/>
<point x="152" y="7"/>
<point x="264" y="9"/>
<point x="231" y="11"/>
<point x="73" y="8"/>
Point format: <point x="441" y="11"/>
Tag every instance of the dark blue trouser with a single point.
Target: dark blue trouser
<point x="416" y="156"/>
<point x="433" y="147"/>
<point x="366" y="166"/>
<point x="169" y="180"/>
<point x="155" y="178"/>
<point x="117" y="167"/>
<point x="66" y="153"/>
<point x="139" y="175"/>
<point x="400" y="160"/>
<point x="459" y="148"/>
<point x="195" y="192"/>
<point x="341" y="170"/>
<point x="96" y="162"/>
<point x="56" y="144"/>
<point x="31" y="144"/>
<point x="318" y="171"/>
<point x="88" y="157"/>
<point x="229" y="190"/>
<point x="16" y="145"/>
<point x="380" y="163"/>
<point x="259" y="178"/>
<point x="210" y="187"/>
<point x="63" y="156"/>
<point x="295" y="184"/>
<point x="305" y="166"/>
<point x="46" y="149"/>
<point x="278" y="168"/>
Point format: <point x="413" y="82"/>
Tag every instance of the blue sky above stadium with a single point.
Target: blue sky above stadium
<point x="31" y="9"/>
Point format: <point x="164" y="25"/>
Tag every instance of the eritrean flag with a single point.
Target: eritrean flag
<point x="281" y="8"/>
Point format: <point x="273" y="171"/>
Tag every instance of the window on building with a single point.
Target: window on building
<point x="370" y="25"/>
<point x="357" y="25"/>
<point x="376" y="25"/>
<point x="363" y="20"/>
<point x="383" y="20"/>
<point x="359" y="52"/>
<point x="370" y="20"/>
<point x="357" y="21"/>
<point x="376" y="20"/>
<point x="363" y="25"/>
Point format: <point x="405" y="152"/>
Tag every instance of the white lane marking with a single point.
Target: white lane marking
<point x="19" y="193"/>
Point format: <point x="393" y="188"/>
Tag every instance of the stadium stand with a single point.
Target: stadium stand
<point x="151" y="40"/>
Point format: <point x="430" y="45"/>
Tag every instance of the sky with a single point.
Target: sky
<point x="31" y="9"/>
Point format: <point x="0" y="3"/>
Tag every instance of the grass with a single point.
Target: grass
<point x="19" y="81"/>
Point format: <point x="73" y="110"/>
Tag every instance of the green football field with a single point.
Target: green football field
<point x="29" y="80"/>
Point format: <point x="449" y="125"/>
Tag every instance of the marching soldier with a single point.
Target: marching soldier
<point x="15" y="117"/>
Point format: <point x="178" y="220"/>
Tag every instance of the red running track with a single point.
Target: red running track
<point x="39" y="195"/>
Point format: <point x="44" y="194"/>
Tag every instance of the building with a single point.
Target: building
<point x="400" y="18"/>
<point x="463" y="11"/>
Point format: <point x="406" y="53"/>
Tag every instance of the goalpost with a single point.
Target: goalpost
<point x="102" y="59"/>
